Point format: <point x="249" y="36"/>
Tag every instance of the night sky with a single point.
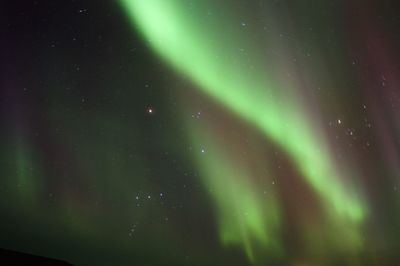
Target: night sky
<point x="201" y="132"/>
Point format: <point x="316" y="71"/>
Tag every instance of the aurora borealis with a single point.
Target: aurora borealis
<point x="182" y="132"/>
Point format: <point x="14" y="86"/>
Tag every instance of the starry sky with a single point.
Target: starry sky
<point x="185" y="132"/>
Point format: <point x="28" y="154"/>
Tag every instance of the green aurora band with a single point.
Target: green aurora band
<point x="205" y="49"/>
<point x="245" y="217"/>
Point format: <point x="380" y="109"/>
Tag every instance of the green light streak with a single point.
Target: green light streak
<point x="26" y="176"/>
<point x="245" y="217"/>
<point x="207" y="53"/>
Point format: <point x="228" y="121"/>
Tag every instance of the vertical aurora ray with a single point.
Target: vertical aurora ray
<point x="245" y="217"/>
<point x="27" y="172"/>
<point x="206" y="51"/>
<point x="24" y="175"/>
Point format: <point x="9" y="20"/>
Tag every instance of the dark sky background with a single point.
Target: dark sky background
<point x="114" y="151"/>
